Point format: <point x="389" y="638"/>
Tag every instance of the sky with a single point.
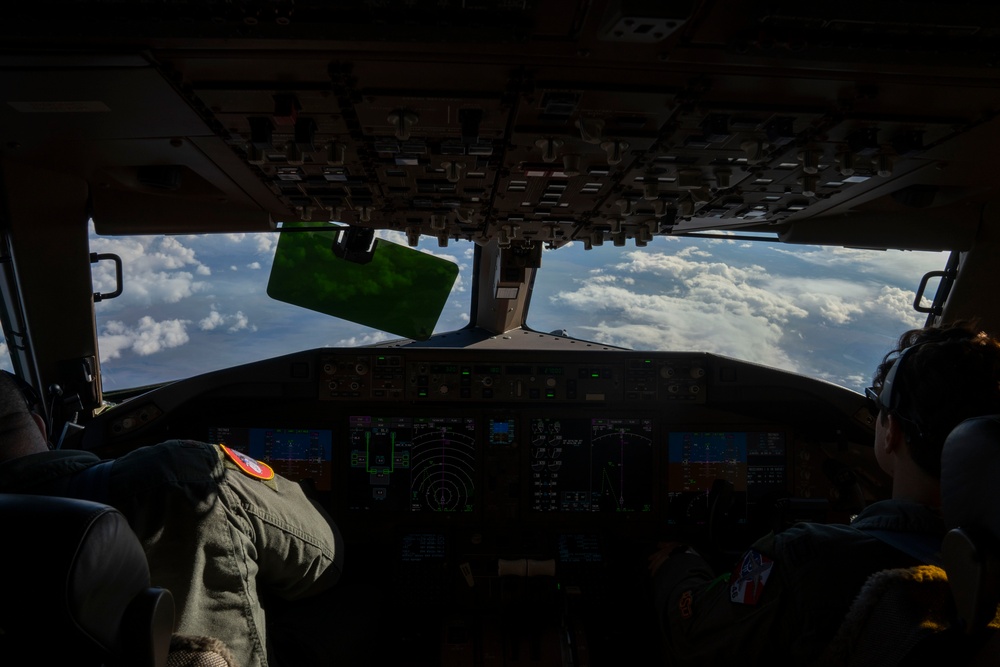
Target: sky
<point x="194" y="304"/>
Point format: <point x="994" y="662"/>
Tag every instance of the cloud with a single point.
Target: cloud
<point x="365" y="339"/>
<point x="154" y="270"/>
<point x="254" y="265"/>
<point x="239" y="323"/>
<point x="212" y="322"/>
<point x="233" y="323"/>
<point x="146" y="338"/>
<point x="673" y="322"/>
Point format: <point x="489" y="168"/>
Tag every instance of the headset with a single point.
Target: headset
<point x="889" y="399"/>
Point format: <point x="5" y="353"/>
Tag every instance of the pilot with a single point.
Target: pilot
<point x="219" y="528"/>
<point x="787" y="595"/>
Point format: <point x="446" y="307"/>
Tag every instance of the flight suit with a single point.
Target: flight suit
<point x="215" y="533"/>
<point x="787" y="596"/>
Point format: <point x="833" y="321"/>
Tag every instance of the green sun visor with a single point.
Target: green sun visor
<point x="390" y="287"/>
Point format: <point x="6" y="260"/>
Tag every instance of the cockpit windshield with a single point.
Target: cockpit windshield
<point x="824" y="312"/>
<point x="197" y="303"/>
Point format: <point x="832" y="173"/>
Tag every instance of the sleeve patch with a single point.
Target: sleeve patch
<point x="747" y="583"/>
<point x="252" y="467"/>
<point x="684" y="605"/>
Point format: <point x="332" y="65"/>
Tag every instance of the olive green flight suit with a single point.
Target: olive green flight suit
<point x="215" y="536"/>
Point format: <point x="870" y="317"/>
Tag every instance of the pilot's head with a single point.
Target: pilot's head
<point x="933" y="380"/>
<point x="22" y="431"/>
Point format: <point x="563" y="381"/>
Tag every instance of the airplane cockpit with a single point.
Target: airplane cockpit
<point x="498" y="487"/>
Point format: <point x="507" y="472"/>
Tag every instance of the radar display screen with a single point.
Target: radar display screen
<point x="298" y="454"/>
<point x="592" y="465"/>
<point x="412" y="464"/>
<point x="751" y="463"/>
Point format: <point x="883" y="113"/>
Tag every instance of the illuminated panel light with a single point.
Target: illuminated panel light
<point x="407" y="161"/>
<point x="476" y="174"/>
<point x="856" y="179"/>
<point x="833" y="184"/>
<point x="772" y="198"/>
<point x="763" y="181"/>
<point x="507" y="292"/>
<point x="517" y="186"/>
<point x="526" y="203"/>
<point x="788" y="165"/>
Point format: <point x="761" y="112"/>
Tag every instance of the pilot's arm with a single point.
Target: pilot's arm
<point x="299" y="548"/>
<point x="715" y="619"/>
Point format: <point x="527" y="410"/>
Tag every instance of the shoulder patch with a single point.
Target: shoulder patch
<point x="252" y="467"/>
<point x="747" y="583"/>
<point x="684" y="605"/>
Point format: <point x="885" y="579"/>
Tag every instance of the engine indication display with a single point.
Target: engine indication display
<point x="415" y="464"/>
<point x="592" y="465"/>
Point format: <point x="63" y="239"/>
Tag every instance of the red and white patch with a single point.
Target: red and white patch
<point x="253" y="467"/>
<point x="747" y="583"/>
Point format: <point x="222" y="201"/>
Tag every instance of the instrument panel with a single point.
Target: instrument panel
<point x="505" y="435"/>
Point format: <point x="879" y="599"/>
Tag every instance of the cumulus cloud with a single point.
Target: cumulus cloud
<point x="232" y="323"/>
<point x="365" y="339"/>
<point x="212" y="322"/>
<point x="674" y="322"/>
<point x="147" y="337"/>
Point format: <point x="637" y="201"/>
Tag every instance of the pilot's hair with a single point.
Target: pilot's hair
<point x="952" y="374"/>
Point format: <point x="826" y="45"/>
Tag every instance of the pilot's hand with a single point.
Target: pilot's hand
<point x="663" y="552"/>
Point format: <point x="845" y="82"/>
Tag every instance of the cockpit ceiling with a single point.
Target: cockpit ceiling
<point x="604" y="122"/>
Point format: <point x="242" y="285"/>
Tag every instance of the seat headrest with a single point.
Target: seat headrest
<point x="71" y="568"/>
<point x="970" y="468"/>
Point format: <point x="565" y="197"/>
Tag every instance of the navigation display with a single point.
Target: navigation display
<point x="412" y="464"/>
<point x="598" y="464"/>
<point x="298" y="454"/>
<point x="751" y="463"/>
